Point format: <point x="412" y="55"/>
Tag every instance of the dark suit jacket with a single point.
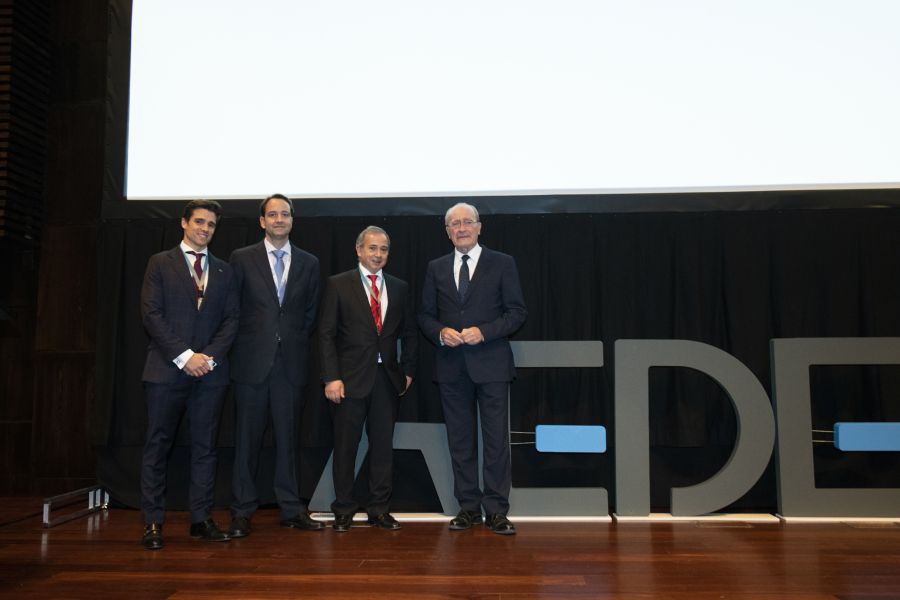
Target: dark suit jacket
<point x="494" y="303"/>
<point x="263" y="322"/>
<point x="349" y="343"/>
<point x="170" y="316"/>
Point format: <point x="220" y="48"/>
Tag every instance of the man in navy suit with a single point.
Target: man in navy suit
<point x="189" y="307"/>
<point x="364" y="312"/>
<point x="279" y="291"/>
<point x="471" y="303"/>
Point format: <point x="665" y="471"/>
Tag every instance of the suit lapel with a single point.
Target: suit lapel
<point x="180" y="271"/>
<point x="213" y="278"/>
<point x="448" y="278"/>
<point x="295" y="275"/>
<point x="261" y="260"/>
<point x="394" y="300"/>
<point x="481" y="272"/>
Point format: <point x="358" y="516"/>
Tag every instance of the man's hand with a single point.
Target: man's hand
<point x="334" y="391"/>
<point x="408" y="383"/>
<point x="197" y="365"/>
<point x="471" y="336"/>
<point x="451" y="337"/>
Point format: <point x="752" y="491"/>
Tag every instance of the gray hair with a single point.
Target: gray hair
<point x="371" y="229"/>
<point x="461" y="205"/>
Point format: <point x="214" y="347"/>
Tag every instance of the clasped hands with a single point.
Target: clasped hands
<point x="469" y="335"/>
<point x="199" y="365"/>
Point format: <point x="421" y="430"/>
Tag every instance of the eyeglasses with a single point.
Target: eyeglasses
<point x="457" y="224"/>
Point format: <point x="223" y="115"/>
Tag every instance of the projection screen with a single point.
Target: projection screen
<point x="353" y="98"/>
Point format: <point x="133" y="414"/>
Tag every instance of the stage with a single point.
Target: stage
<point x="100" y="556"/>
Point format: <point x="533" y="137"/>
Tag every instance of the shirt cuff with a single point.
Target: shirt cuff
<point x="182" y="358"/>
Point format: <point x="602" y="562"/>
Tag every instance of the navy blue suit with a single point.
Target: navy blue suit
<point x="269" y="370"/>
<point x="476" y="376"/>
<point x="174" y="324"/>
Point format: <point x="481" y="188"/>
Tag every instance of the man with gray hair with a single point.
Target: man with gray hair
<point x="364" y="312"/>
<point x="471" y="303"/>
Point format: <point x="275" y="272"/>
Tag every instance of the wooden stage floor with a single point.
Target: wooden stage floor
<point x="101" y="557"/>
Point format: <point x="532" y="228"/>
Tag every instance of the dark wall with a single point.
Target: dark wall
<point x="48" y="344"/>
<point x="731" y="279"/>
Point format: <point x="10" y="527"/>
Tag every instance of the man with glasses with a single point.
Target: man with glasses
<point x="471" y="303"/>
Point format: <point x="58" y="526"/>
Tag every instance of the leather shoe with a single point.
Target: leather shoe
<point x="153" y="537"/>
<point x="303" y="521"/>
<point x="465" y="519"/>
<point x="343" y="523"/>
<point x="385" y="521"/>
<point x="208" y="531"/>
<point x="500" y="524"/>
<point x="240" y="527"/>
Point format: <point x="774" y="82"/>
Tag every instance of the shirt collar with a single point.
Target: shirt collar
<point x="473" y="254"/>
<point x="365" y="272"/>
<point x="185" y="249"/>
<point x="270" y="248"/>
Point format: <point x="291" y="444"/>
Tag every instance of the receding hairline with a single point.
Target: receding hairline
<point x="373" y="230"/>
<point x="465" y="205"/>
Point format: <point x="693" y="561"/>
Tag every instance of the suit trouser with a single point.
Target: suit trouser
<point x="462" y="401"/>
<point x="166" y="404"/>
<point x="253" y="404"/>
<point x="378" y="410"/>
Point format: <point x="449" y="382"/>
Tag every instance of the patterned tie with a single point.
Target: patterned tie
<point x="279" y="273"/>
<point x="464" y="277"/>
<point x="198" y="263"/>
<point x="375" y="304"/>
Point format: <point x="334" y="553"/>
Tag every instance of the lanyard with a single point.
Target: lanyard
<point x="200" y="282"/>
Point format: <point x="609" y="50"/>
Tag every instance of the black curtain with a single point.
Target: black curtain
<point x="732" y="279"/>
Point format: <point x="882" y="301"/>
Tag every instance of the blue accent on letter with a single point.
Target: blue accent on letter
<point x="570" y="438"/>
<point x="867" y="437"/>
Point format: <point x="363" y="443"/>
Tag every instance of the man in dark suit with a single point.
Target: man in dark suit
<point x="189" y="307"/>
<point x="279" y="291"/>
<point x="471" y="303"/>
<point x="364" y="312"/>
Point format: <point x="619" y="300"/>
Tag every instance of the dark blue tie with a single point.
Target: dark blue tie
<point x="463" y="277"/>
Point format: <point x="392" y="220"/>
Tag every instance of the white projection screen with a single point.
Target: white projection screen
<point x="356" y="98"/>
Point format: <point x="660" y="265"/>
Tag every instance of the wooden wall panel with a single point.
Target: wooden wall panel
<point x="75" y="157"/>
<point x="24" y="88"/>
<point x="63" y="394"/>
<point x="52" y="106"/>
<point x="15" y="460"/>
<point x="67" y="289"/>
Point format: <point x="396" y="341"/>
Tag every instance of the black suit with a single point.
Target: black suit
<point x="476" y="375"/>
<point x="174" y="324"/>
<point x="269" y="361"/>
<point x="350" y="346"/>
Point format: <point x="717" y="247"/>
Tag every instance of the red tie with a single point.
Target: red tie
<point x="198" y="269"/>
<point x="374" y="304"/>
<point x="198" y="263"/>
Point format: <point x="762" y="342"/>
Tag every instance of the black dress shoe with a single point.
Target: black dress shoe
<point x="208" y="531"/>
<point x="500" y="524"/>
<point x="385" y="521"/>
<point x="464" y="520"/>
<point x="342" y="523"/>
<point x="240" y="527"/>
<point x="153" y="537"/>
<point x="303" y="521"/>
